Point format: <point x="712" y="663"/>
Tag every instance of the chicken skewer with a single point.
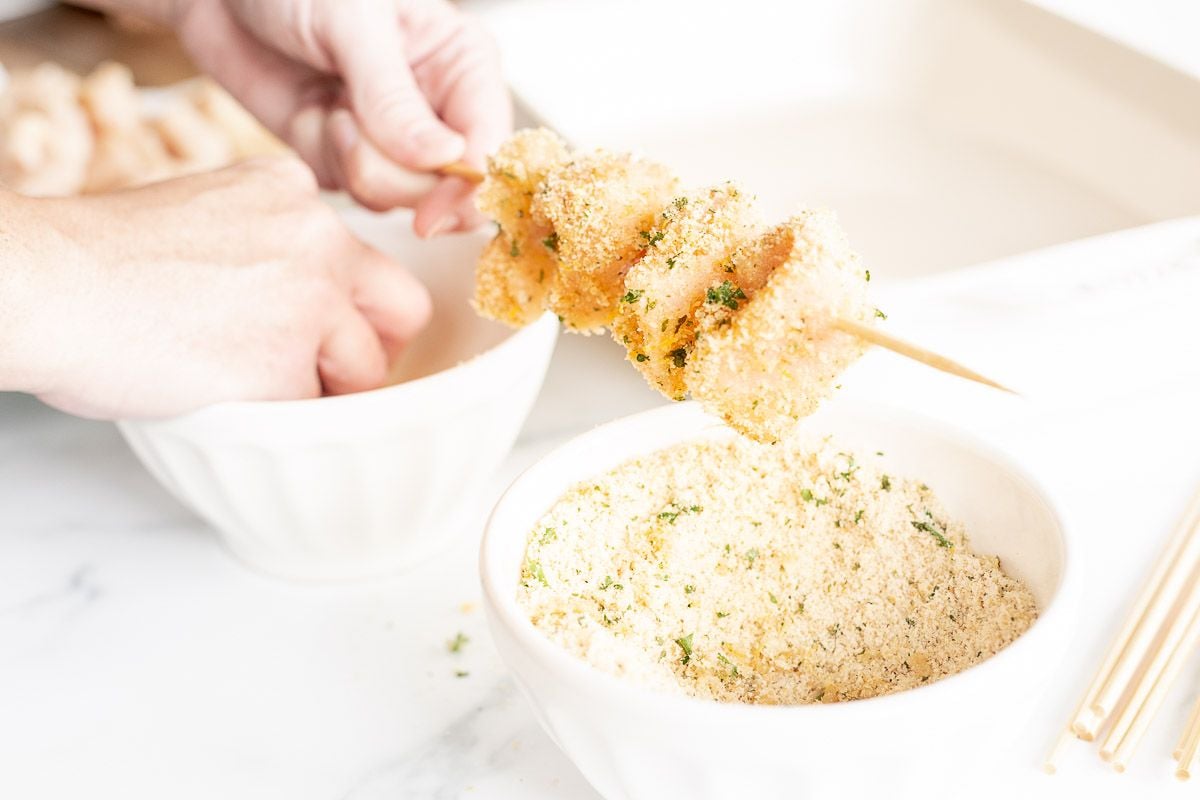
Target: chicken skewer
<point x="705" y="299"/>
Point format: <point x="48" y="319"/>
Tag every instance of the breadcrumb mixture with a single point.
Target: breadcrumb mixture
<point x="781" y="574"/>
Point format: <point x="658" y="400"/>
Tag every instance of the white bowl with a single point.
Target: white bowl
<point x="635" y="743"/>
<point x="362" y="484"/>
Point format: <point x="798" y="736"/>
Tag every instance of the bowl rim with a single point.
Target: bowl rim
<point x="441" y="382"/>
<point x="503" y="609"/>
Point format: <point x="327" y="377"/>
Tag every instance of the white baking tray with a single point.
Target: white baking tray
<point x="943" y="132"/>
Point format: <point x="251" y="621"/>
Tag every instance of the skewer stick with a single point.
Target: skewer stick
<point x="460" y="170"/>
<point x="1050" y="765"/>
<point x="1190" y="742"/>
<point x="1173" y="641"/>
<point x="889" y="342"/>
<point x="1171" y="583"/>
<point x="468" y="173"/>
<point x="1188" y="727"/>
<point x="1085" y="723"/>
<point x="1179" y="649"/>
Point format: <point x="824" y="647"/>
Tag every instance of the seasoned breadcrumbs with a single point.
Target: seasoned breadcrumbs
<point x="782" y="574"/>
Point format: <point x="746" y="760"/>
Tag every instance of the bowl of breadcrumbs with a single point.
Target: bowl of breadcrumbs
<point x="696" y="614"/>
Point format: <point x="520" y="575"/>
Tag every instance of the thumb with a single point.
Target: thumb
<point x="388" y="103"/>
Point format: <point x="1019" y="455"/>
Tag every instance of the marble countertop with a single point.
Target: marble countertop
<point x="138" y="659"/>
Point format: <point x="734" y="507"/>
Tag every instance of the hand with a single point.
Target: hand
<point x="236" y="284"/>
<point x="371" y="93"/>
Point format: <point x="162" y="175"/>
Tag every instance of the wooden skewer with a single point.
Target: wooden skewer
<point x="1178" y="627"/>
<point x="1188" y="745"/>
<point x="1050" y="765"/>
<point x="865" y="332"/>
<point x="1188" y="727"/>
<point x="1180" y="647"/>
<point x="460" y="170"/>
<point x="1085" y="723"/>
<point x="889" y="342"/>
<point x="1173" y="580"/>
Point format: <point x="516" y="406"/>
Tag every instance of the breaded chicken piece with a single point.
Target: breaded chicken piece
<point x="690" y="249"/>
<point x="765" y="354"/>
<point x="602" y="208"/>
<point x="515" y="273"/>
<point x="512" y="280"/>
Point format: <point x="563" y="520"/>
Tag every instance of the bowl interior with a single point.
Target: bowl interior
<point x="1004" y="512"/>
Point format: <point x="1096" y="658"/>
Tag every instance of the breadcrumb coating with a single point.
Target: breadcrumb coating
<point x="705" y="302"/>
<point x="765" y="362"/>
<point x="512" y="280"/>
<point x="743" y="572"/>
<point x="514" y="275"/>
<point x="601" y="208"/>
<point x="689" y="250"/>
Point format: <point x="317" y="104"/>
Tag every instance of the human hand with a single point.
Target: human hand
<point x="231" y="285"/>
<point x="373" y="94"/>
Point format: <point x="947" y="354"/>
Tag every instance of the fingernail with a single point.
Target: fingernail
<point x="443" y="225"/>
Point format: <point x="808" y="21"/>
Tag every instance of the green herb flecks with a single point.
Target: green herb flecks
<point x="885" y="483"/>
<point x="632" y="296"/>
<point x="513" y="250"/>
<point x="551" y="242"/>
<point x="685" y="644"/>
<point x="534" y="568"/>
<point x="652" y="239"/>
<point x="733" y="670"/>
<point x="679" y="357"/>
<point x="930" y="526"/>
<point x="456" y="644"/>
<point x="727" y="294"/>
<point x="879" y="313"/>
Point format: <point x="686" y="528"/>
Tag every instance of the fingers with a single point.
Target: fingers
<point x="351" y="358"/>
<point x="464" y="79"/>
<point x="395" y="303"/>
<point x="374" y="180"/>
<point x="389" y="105"/>
<point x="387" y="308"/>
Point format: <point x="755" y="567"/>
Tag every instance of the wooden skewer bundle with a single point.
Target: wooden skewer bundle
<point x="1145" y="659"/>
<point x="864" y="332"/>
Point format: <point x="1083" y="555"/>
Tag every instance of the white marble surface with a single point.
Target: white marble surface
<point x="139" y="660"/>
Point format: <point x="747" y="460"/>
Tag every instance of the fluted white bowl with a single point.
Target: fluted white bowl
<point x="361" y="484"/>
<point x="634" y="743"/>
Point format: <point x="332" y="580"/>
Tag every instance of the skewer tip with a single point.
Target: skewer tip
<point x="1182" y="774"/>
